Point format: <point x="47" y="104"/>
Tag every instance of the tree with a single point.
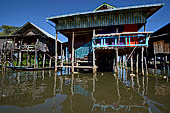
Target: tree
<point x="7" y="29"/>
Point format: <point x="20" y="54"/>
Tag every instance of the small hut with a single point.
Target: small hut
<point x="31" y="47"/>
<point x="159" y="46"/>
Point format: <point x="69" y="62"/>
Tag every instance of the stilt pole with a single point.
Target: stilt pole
<point x="56" y="56"/>
<point x="146" y="66"/>
<point x="142" y="61"/>
<point x="131" y="63"/>
<point x="137" y="61"/>
<point x="94" y="58"/>
<point x="44" y="60"/>
<point x="155" y="62"/>
<point x="72" y="62"/>
<point x="117" y="60"/>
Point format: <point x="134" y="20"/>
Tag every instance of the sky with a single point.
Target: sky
<point x="18" y="12"/>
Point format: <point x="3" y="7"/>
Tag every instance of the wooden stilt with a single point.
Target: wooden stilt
<point x="44" y="60"/>
<point x="72" y="62"/>
<point x="155" y="62"/>
<point x="142" y="61"/>
<point x="146" y="66"/>
<point x="50" y="62"/>
<point x="61" y="54"/>
<point x="35" y="60"/>
<point x="137" y="61"/>
<point x="117" y="60"/>
<point x="56" y="56"/>
<point x="62" y="61"/>
<point x="131" y="60"/>
<point x="126" y="62"/>
<point x="166" y="60"/>
<point x="19" y="58"/>
<point x="123" y="62"/>
<point x="27" y="56"/>
<point x="94" y="58"/>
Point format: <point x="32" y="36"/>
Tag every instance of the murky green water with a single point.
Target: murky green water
<point x="46" y="92"/>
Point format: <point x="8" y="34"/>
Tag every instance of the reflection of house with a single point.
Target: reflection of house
<point x="162" y="89"/>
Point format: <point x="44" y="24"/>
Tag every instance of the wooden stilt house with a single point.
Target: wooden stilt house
<point x="96" y="38"/>
<point x="159" y="47"/>
<point x="33" y="47"/>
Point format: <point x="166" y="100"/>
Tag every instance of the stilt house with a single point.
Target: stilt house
<point x="96" y="38"/>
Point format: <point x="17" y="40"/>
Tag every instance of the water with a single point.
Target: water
<point x="47" y="92"/>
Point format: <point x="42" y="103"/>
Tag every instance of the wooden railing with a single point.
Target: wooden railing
<point x="126" y="39"/>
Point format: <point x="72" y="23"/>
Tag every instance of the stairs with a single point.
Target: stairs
<point x="83" y="55"/>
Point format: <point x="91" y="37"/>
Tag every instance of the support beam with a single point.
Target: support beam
<point x="155" y="62"/>
<point x="117" y="62"/>
<point x="56" y="56"/>
<point x="137" y="61"/>
<point x="94" y="58"/>
<point x="50" y="62"/>
<point x="20" y="55"/>
<point x="72" y="60"/>
<point x="44" y="60"/>
<point x="131" y="62"/>
<point x="146" y="66"/>
<point x="142" y="61"/>
<point x="35" y="60"/>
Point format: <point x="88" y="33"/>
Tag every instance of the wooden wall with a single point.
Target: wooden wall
<point x="161" y="47"/>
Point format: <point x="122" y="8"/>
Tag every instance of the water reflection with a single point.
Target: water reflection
<point x="46" y="92"/>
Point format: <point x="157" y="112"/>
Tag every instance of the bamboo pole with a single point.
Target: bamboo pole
<point x="137" y="61"/>
<point x="72" y="62"/>
<point x="155" y="62"/>
<point x="50" y="62"/>
<point x="146" y="66"/>
<point x="131" y="59"/>
<point x="94" y="58"/>
<point x="20" y="55"/>
<point x="44" y="60"/>
<point x="117" y="60"/>
<point x="142" y="61"/>
<point x="56" y="56"/>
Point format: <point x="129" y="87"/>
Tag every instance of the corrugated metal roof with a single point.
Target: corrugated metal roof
<point x="107" y="10"/>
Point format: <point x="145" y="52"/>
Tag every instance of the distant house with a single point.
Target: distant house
<point x="159" y="46"/>
<point x="159" y="43"/>
<point x="31" y="42"/>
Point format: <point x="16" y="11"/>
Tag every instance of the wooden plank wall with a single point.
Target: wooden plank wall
<point x="161" y="47"/>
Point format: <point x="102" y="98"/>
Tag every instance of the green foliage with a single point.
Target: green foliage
<point x="7" y="30"/>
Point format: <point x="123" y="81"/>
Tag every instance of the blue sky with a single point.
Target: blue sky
<point x="18" y="12"/>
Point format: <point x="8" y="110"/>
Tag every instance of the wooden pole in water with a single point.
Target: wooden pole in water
<point x="20" y="57"/>
<point x="50" y="62"/>
<point x="123" y="62"/>
<point x="62" y="61"/>
<point x="117" y="60"/>
<point x="166" y="60"/>
<point x="126" y="62"/>
<point x="27" y="56"/>
<point x="56" y="56"/>
<point x="142" y="61"/>
<point x="35" y="60"/>
<point x="94" y="58"/>
<point x="61" y="53"/>
<point x="131" y="60"/>
<point x="72" y="62"/>
<point x="146" y="66"/>
<point x="44" y="60"/>
<point x="137" y="61"/>
<point x="155" y="62"/>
